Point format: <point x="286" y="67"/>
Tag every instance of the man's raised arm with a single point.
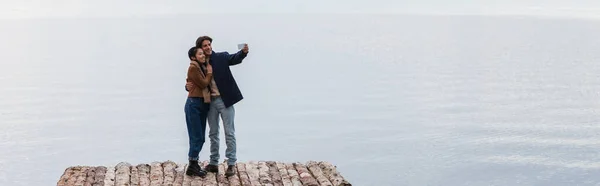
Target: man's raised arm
<point x="238" y="57"/>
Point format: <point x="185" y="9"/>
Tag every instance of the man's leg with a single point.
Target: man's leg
<point x="228" y="115"/>
<point x="213" y="134"/>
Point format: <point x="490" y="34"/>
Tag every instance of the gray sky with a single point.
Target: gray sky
<point x="10" y="9"/>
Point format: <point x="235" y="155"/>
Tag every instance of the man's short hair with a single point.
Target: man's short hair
<point x="192" y="52"/>
<point x="201" y="39"/>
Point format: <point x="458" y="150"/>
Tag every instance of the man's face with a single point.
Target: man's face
<point x="206" y="47"/>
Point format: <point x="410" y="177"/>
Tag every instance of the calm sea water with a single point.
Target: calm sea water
<point x="390" y="100"/>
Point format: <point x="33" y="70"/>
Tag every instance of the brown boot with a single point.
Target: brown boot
<point x="211" y="168"/>
<point x="230" y="170"/>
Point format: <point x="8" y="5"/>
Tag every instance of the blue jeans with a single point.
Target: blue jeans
<point x="195" y="116"/>
<point x="217" y="107"/>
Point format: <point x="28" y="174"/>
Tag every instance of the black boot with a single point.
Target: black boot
<point x="212" y="168"/>
<point x="230" y="170"/>
<point x="195" y="170"/>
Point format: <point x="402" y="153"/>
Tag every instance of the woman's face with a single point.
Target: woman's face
<point x="200" y="56"/>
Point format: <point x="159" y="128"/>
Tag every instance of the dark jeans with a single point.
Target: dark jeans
<point x="196" y="112"/>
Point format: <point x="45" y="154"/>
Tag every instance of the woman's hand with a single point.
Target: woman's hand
<point x="209" y="69"/>
<point x="189" y="86"/>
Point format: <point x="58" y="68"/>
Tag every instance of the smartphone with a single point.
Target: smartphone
<point x="241" y="45"/>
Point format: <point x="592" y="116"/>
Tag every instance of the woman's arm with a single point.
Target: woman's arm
<point x="197" y="78"/>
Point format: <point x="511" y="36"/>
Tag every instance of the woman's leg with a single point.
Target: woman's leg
<point x="195" y="114"/>
<point x="203" y="108"/>
<point x="196" y="124"/>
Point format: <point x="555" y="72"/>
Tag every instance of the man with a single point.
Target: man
<point x="224" y="94"/>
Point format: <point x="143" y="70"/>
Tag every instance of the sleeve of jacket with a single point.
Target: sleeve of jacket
<point x="197" y="78"/>
<point x="236" y="58"/>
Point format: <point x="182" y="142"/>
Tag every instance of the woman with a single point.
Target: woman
<point x="196" y="107"/>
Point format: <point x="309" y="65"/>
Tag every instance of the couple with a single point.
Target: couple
<point x="212" y="91"/>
